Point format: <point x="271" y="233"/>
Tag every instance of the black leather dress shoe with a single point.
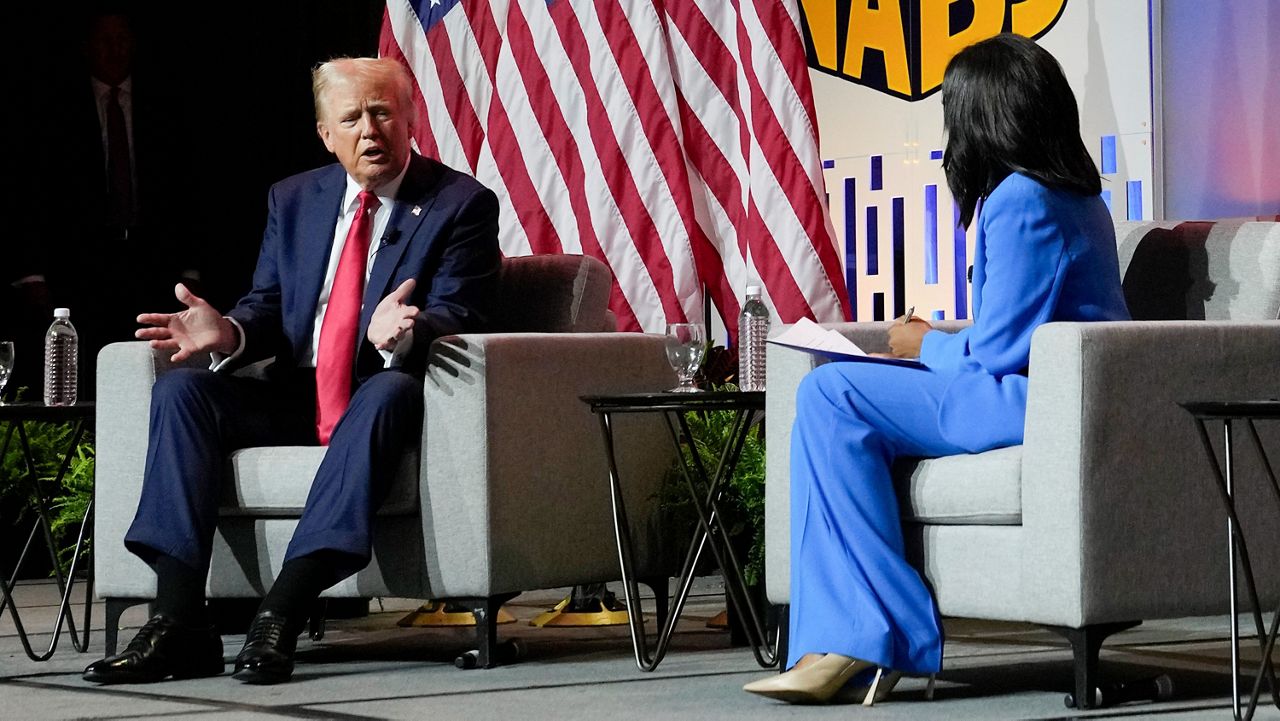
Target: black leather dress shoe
<point x="162" y="649"/>
<point x="267" y="656"/>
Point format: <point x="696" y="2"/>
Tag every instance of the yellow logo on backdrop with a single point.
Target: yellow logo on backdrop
<point x="901" y="47"/>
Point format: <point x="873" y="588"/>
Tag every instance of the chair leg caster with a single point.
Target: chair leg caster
<point x="506" y="652"/>
<point x="1086" y="642"/>
<point x="1153" y="688"/>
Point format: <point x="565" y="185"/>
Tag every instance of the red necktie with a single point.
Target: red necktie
<point x="335" y="358"/>
<point x="119" y="165"/>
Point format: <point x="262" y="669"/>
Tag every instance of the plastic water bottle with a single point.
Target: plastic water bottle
<point x="753" y="331"/>
<point x="61" y="360"/>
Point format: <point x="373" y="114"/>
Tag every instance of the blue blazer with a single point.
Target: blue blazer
<point x="1041" y="255"/>
<point x="443" y="231"/>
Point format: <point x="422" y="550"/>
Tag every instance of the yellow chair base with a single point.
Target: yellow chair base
<point x="569" y="619"/>
<point x="436" y="613"/>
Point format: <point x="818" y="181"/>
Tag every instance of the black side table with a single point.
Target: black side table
<point x="1228" y="412"/>
<point x="705" y="492"/>
<point x="16" y="416"/>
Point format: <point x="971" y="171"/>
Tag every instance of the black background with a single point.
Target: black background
<point x="236" y="77"/>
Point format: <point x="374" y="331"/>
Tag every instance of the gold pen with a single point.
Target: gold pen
<point x="911" y="313"/>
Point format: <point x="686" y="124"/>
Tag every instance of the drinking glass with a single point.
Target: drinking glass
<point x="6" y="365"/>
<point x="685" y="345"/>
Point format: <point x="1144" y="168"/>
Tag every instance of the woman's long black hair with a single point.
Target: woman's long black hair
<point x="1007" y="108"/>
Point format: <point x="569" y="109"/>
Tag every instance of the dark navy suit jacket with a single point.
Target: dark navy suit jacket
<point x="443" y="232"/>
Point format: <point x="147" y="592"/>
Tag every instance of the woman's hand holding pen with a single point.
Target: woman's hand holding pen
<point x="906" y="334"/>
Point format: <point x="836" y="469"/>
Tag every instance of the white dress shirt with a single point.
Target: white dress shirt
<point x="381" y="219"/>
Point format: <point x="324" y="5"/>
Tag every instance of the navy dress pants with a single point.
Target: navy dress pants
<point x="199" y="417"/>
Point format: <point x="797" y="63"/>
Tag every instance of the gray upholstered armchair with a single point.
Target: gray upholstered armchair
<point x="1106" y="515"/>
<point x="510" y="471"/>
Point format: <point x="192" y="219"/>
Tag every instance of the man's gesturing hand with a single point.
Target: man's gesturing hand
<point x="198" y="329"/>
<point x="392" y="318"/>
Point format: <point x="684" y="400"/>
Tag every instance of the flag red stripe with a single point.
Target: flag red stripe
<point x="783" y="34"/>
<point x="617" y="174"/>
<point x="788" y="299"/>
<point x="707" y="46"/>
<point x="657" y="126"/>
<point x="387" y="47"/>
<point x="721" y="68"/>
<point x="711" y="165"/>
<point x="530" y="212"/>
<point x="456" y="100"/>
<point x="716" y="171"/>
<point x="766" y="257"/>
<point x="565" y="149"/>
<point x="788" y="169"/>
<point x="488" y="37"/>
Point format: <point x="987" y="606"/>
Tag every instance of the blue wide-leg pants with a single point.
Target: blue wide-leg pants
<point x="852" y="591"/>
<point x="199" y="417"/>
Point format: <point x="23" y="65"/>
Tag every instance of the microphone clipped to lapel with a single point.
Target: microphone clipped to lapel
<point x="389" y="238"/>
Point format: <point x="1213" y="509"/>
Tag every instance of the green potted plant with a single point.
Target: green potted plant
<point x="742" y="502"/>
<point x="67" y="504"/>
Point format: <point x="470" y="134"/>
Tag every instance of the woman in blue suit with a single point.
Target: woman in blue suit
<point x="1045" y="251"/>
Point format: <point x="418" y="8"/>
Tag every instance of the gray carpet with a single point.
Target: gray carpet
<point x="369" y="668"/>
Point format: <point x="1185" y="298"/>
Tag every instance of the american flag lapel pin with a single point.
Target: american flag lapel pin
<point x="417" y="210"/>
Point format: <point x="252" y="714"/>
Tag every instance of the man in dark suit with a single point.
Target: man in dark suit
<point x="363" y="264"/>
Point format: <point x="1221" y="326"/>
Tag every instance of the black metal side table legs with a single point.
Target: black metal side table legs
<point x="1238" y="548"/>
<point x="710" y="528"/>
<point x="705" y="493"/>
<point x="645" y="660"/>
<point x="43" y="526"/>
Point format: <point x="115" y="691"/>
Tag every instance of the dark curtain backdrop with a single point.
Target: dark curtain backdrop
<point x="236" y="76"/>
<point x="233" y="84"/>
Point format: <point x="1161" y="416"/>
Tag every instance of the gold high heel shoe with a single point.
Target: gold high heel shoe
<point x="817" y="682"/>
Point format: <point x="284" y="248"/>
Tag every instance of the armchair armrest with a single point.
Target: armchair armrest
<point x="504" y="422"/>
<point x="1117" y="494"/>
<point x="126" y="372"/>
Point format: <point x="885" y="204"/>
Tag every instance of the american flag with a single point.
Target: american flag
<point x="676" y="140"/>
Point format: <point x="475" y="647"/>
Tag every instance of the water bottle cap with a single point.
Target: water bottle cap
<point x="753" y="290"/>
<point x="61" y="312"/>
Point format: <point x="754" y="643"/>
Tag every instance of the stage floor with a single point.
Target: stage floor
<point x="369" y="668"/>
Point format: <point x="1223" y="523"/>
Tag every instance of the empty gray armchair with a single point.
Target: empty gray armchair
<point x="1106" y="514"/>
<point x="507" y="492"/>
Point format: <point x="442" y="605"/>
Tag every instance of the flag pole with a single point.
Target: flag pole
<point x="706" y="313"/>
